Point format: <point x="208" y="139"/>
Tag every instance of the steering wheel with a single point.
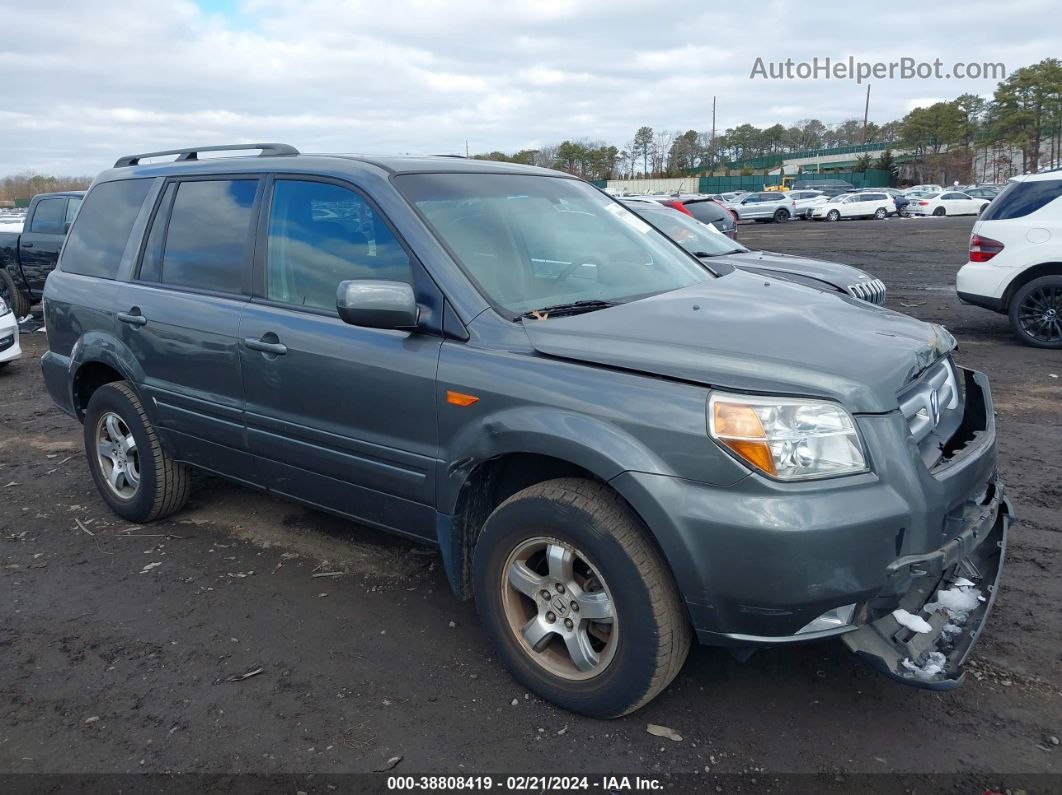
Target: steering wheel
<point x="577" y="262"/>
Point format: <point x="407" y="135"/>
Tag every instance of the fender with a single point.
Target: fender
<point x="599" y="447"/>
<point x="105" y="348"/>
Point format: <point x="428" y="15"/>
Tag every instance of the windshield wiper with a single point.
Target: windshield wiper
<point x="701" y="254"/>
<point x="573" y="308"/>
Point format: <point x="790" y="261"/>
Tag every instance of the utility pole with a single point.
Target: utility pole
<point x="866" y="113"/>
<point x="711" y="143"/>
<point x="466" y="144"/>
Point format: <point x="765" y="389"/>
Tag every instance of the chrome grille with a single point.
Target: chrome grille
<point x="935" y="393"/>
<point x="872" y="292"/>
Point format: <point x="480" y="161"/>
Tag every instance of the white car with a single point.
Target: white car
<point x="949" y="202"/>
<point x="9" y="347"/>
<point x="1015" y="262"/>
<point x="855" y="205"/>
<point x="925" y="189"/>
<point x="806" y="201"/>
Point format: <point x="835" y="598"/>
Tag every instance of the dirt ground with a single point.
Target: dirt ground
<point x="118" y="642"/>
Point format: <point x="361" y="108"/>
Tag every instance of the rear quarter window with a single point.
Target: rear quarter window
<point x="707" y="212"/>
<point x="97" y="240"/>
<point x="1019" y="199"/>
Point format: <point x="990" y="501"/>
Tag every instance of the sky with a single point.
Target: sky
<point x="82" y="82"/>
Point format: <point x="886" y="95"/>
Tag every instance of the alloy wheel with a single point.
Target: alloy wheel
<point x="1040" y="314"/>
<point x="117" y="456"/>
<point x="559" y="608"/>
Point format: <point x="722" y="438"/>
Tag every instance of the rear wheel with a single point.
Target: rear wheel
<point x="781" y="216"/>
<point x="134" y="475"/>
<point x="14" y="298"/>
<point x="880" y="213"/>
<point x="1036" y="312"/>
<point x="939" y="211"/>
<point x="577" y="600"/>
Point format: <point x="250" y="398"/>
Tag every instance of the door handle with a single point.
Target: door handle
<point x="275" y="348"/>
<point x="133" y="317"/>
<point x="27" y="245"/>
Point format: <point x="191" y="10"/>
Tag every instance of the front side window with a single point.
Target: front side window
<point x="97" y="241"/>
<point x="48" y="217"/>
<point x="207" y="239"/>
<point x="322" y="234"/>
<point x="531" y="241"/>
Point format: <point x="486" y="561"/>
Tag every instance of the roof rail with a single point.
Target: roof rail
<point x="267" y="150"/>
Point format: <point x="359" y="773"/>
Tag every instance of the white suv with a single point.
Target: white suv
<point x="1015" y="262"/>
<point x="855" y="205"/>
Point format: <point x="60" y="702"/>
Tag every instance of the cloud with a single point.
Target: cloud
<point x="84" y="82"/>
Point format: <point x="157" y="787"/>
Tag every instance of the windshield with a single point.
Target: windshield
<point x="530" y="242"/>
<point x="697" y="238"/>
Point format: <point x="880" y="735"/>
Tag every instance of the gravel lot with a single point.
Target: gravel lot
<point x="116" y="641"/>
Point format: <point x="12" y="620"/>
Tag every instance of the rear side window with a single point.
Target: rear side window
<point x="208" y="235"/>
<point x="72" y="206"/>
<point x="97" y="241"/>
<point x="48" y="217"/>
<point x="1019" y="199"/>
<point x="322" y="234"/>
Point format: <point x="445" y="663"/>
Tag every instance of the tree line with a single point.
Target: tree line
<point x="1018" y="130"/>
<point x="26" y="186"/>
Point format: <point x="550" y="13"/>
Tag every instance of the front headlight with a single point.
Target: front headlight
<point x="788" y="439"/>
<point x="4" y="308"/>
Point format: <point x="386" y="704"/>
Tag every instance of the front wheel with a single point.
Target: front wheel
<point x="15" y="299"/>
<point x="577" y="601"/>
<point x="134" y="475"/>
<point x="833" y="215"/>
<point x="1036" y="312"/>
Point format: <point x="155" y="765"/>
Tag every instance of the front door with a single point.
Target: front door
<point x="340" y="416"/>
<point x="180" y="316"/>
<point x="40" y="242"/>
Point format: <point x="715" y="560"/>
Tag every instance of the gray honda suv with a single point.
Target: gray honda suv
<point x="615" y="448"/>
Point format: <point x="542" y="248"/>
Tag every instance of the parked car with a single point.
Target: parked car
<point x="806" y="200"/>
<point x="984" y="192"/>
<point x="764" y="207"/>
<point x="1015" y="265"/>
<point x="718" y="252"/>
<point x="901" y="201"/>
<point x="27" y="257"/>
<point x="925" y="189"/>
<point x="701" y="207"/>
<point x="855" y="205"/>
<point x="615" y="447"/>
<point x="947" y="203"/>
<point x="9" y="347"/>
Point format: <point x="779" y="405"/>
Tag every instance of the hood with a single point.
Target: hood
<point x="752" y="333"/>
<point x="833" y="273"/>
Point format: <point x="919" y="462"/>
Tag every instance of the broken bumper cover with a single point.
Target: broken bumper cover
<point x="977" y="553"/>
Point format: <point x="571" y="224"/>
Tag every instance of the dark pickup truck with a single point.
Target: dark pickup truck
<point x="27" y="257"/>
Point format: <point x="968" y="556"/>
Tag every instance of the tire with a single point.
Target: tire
<point x="904" y="213"/>
<point x="1036" y="312"/>
<point x="833" y="215"/>
<point x="636" y="652"/>
<point x="880" y="213"/>
<point x="781" y="216"/>
<point x="161" y="484"/>
<point x="9" y="291"/>
<point x="940" y="212"/>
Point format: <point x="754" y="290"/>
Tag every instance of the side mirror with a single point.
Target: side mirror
<point x="377" y="304"/>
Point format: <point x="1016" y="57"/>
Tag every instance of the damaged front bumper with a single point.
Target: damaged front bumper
<point x="934" y="659"/>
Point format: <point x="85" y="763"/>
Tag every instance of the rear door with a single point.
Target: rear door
<point x="340" y="416"/>
<point x="41" y="240"/>
<point x="180" y="317"/>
